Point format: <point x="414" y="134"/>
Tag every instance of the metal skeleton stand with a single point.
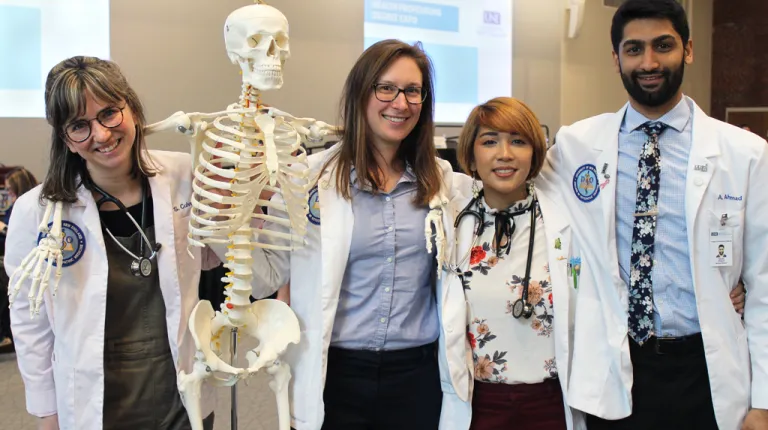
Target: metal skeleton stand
<point x="232" y="356"/>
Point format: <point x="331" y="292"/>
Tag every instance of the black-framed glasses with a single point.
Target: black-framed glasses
<point x="389" y="92"/>
<point x="80" y="130"/>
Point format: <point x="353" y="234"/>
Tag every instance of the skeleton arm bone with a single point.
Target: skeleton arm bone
<point x="192" y="125"/>
<point x="189" y="123"/>
<point x="312" y="130"/>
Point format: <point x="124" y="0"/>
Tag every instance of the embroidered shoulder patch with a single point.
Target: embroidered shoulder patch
<point x="585" y="184"/>
<point x="73" y="244"/>
<point x="314" y="207"/>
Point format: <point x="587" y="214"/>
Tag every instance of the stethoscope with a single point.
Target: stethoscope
<point x="521" y="307"/>
<point x="140" y="266"/>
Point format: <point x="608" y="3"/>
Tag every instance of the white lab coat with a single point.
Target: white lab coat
<point x="61" y="351"/>
<point x="316" y="272"/>
<point x="724" y="160"/>
<point x="455" y="309"/>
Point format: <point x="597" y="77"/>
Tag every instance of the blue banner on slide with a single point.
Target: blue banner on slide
<point x="406" y="13"/>
<point x="20" y="48"/>
<point x="456" y="71"/>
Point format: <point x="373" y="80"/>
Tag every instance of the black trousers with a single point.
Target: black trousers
<point x="389" y="390"/>
<point x="671" y="388"/>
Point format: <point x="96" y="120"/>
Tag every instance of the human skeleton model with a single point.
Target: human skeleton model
<point x="244" y="151"/>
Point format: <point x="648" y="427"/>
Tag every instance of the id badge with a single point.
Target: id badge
<point x="721" y="247"/>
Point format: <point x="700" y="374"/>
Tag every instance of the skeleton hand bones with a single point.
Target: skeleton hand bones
<point x="48" y="249"/>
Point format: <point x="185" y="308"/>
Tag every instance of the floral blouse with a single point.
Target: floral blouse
<point x="505" y="349"/>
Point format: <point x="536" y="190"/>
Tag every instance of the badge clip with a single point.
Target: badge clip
<point x="723" y="219"/>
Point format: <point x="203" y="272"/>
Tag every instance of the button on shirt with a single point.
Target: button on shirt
<point x="674" y="299"/>
<point x="386" y="300"/>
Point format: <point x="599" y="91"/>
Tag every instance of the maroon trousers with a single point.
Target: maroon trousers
<point x="520" y="406"/>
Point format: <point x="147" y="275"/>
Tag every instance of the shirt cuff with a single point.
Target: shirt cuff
<point x="41" y="403"/>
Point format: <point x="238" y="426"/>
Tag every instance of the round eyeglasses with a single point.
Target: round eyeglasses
<point x="389" y="92"/>
<point x="80" y="130"/>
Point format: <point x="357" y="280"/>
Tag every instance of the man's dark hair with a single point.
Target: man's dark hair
<point x="631" y="10"/>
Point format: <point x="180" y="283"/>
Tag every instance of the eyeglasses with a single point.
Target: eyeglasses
<point x="389" y="92"/>
<point x="80" y="130"/>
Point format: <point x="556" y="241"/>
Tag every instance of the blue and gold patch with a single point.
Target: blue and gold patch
<point x="314" y="207"/>
<point x="585" y="184"/>
<point x="73" y="244"/>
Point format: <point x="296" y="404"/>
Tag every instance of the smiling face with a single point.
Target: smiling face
<point x="107" y="151"/>
<point x="391" y="122"/>
<point x="503" y="163"/>
<point x="651" y="61"/>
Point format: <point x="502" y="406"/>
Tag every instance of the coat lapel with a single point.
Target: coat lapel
<point x="701" y="165"/>
<point x="87" y="204"/>
<point x="607" y="146"/>
<point x="160" y="187"/>
<point x="335" y="239"/>
<point x="558" y="245"/>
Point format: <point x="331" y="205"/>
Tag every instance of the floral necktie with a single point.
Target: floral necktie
<point x="643" y="234"/>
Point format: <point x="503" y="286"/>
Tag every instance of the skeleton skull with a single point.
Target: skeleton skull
<point x="256" y="37"/>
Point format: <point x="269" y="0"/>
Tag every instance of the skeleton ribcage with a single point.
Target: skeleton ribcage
<point x="242" y="156"/>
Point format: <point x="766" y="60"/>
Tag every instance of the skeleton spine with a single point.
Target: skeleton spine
<point x="238" y="289"/>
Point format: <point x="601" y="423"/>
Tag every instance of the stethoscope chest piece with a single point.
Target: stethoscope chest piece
<point x="141" y="267"/>
<point x="522" y="309"/>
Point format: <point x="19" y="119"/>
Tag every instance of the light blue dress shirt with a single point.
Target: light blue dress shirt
<point x="674" y="298"/>
<point x="387" y="300"/>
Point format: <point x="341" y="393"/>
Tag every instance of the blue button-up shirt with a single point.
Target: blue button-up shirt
<point x="387" y="300"/>
<point x="674" y="298"/>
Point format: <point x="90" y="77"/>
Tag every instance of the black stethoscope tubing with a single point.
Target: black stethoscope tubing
<point x="141" y="266"/>
<point x="521" y="307"/>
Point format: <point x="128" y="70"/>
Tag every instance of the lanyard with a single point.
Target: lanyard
<point x="140" y="266"/>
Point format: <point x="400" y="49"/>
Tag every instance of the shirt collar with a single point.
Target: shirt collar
<point x="408" y="176"/>
<point x="514" y="208"/>
<point x="676" y="118"/>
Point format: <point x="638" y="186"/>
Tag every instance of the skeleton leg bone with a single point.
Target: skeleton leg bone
<point x="189" y="386"/>
<point x="281" y="376"/>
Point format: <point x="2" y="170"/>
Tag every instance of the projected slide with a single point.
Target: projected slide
<point x="469" y="42"/>
<point x="34" y="36"/>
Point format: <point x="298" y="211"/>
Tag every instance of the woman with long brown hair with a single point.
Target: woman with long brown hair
<point x="362" y="286"/>
<point x="104" y="352"/>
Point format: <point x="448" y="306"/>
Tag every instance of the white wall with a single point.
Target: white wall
<point x="172" y="52"/>
<point x="591" y="86"/>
